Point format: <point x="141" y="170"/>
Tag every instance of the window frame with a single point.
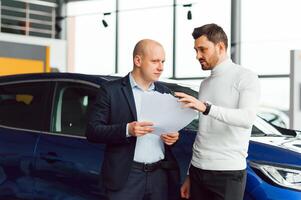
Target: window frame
<point x="57" y="92"/>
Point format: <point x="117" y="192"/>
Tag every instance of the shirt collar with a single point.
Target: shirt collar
<point x="134" y="84"/>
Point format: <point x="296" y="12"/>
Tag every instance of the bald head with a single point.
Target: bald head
<point x="144" y="46"/>
<point x="148" y="60"/>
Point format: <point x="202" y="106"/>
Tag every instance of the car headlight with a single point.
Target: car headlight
<point x="285" y="176"/>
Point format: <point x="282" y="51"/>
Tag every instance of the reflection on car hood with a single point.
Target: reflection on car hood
<point x="289" y="143"/>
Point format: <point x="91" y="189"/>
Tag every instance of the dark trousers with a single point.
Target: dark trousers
<point x="216" y="185"/>
<point x="142" y="185"/>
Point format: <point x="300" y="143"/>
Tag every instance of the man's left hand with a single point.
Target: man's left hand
<point x="170" y="138"/>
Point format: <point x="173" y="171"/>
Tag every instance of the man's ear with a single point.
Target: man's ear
<point x="137" y="60"/>
<point x="221" y="46"/>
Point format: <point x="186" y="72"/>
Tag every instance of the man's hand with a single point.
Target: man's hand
<point x="140" y="128"/>
<point x="185" y="189"/>
<point x="170" y="138"/>
<point x="190" y="102"/>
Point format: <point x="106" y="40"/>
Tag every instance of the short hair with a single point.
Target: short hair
<point x="213" y="32"/>
<point x="138" y="49"/>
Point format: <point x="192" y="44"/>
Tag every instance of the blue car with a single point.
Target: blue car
<point x="45" y="155"/>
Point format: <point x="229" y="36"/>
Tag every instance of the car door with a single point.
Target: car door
<point x="67" y="165"/>
<point x="23" y="115"/>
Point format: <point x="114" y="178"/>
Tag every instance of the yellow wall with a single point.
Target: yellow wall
<point x="47" y="61"/>
<point x="19" y="66"/>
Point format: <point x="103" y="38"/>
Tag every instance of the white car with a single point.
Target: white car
<point x="274" y="116"/>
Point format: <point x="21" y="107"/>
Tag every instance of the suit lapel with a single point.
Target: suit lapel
<point x="159" y="88"/>
<point x="128" y="93"/>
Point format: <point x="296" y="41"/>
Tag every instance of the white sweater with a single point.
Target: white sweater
<point x="223" y="138"/>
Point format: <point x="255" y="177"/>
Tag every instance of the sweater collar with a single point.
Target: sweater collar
<point x="222" y="67"/>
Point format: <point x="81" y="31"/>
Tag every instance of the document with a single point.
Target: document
<point x="164" y="110"/>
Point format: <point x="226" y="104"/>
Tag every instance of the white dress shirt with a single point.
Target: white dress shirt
<point x="149" y="148"/>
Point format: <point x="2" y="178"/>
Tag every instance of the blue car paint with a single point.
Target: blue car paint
<point x="71" y="163"/>
<point x="41" y="165"/>
<point x="275" y="154"/>
<point x="270" y="192"/>
<point x="17" y="162"/>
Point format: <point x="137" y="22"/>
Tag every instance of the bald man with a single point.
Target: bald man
<point x="138" y="165"/>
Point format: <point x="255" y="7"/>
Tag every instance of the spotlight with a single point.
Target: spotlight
<point x="189" y="15"/>
<point x="187" y="5"/>
<point x="58" y="24"/>
<point x="58" y="28"/>
<point x="104" y="23"/>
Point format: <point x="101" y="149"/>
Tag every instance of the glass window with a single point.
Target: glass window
<point x="92" y="44"/>
<point x="256" y="132"/>
<point x="144" y="19"/>
<point x="24" y="105"/>
<point x="203" y="12"/>
<point x="274" y="119"/>
<point x="269" y="35"/>
<point x="275" y="93"/>
<point x="72" y="105"/>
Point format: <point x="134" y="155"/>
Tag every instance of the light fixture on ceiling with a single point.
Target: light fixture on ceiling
<point x="104" y="22"/>
<point x="189" y="14"/>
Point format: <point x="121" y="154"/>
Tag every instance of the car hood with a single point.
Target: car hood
<point x="289" y="143"/>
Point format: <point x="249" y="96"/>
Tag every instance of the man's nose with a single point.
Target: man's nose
<point x="199" y="55"/>
<point x="161" y="66"/>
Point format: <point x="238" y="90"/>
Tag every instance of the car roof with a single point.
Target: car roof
<point x="97" y="79"/>
<point x="175" y="86"/>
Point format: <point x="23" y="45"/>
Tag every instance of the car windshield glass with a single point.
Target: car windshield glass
<point x="263" y="128"/>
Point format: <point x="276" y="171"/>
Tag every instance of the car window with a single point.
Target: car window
<point x="24" y="105"/>
<point x="71" y="107"/>
<point x="256" y="131"/>
<point x="274" y="119"/>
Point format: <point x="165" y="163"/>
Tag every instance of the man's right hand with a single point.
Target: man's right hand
<point x="140" y="128"/>
<point x="190" y="102"/>
<point x="185" y="189"/>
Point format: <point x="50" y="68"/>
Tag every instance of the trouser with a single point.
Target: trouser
<point x="216" y="185"/>
<point x="142" y="184"/>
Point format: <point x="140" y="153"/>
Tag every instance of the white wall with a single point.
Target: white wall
<point x="295" y="90"/>
<point x="58" y="50"/>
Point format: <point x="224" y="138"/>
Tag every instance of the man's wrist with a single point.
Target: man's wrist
<point x="208" y="107"/>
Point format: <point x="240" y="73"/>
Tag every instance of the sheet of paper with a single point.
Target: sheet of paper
<point x="164" y="110"/>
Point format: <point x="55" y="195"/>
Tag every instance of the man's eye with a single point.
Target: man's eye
<point x="156" y="61"/>
<point x="202" y="50"/>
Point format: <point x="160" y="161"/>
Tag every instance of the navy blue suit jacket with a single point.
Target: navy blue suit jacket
<point x="113" y="109"/>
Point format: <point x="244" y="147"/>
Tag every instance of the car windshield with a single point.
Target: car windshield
<point x="263" y="128"/>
